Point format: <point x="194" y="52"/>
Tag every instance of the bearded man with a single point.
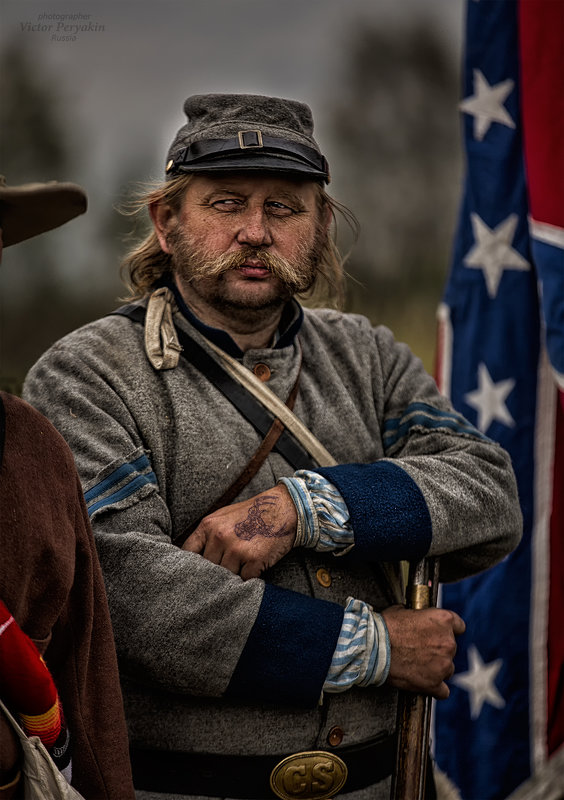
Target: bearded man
<point x="253" y="573"/>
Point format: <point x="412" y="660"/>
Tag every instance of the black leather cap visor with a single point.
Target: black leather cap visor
<point x="250" y="150"/>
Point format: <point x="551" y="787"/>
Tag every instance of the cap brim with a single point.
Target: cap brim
<point x="34" y="208"/>
<point x="256" y="163"/>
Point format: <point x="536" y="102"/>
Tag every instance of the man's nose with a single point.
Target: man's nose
<point x="254" y="229"/>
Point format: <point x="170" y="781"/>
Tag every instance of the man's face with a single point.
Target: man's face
<point x="245" y="242"/>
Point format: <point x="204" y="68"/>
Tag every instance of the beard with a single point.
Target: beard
<point x="202" y="271"/>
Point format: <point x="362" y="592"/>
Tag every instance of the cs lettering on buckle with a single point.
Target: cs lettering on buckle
<point x="313" y="775"/>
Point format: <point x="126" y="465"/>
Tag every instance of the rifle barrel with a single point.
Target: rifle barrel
<point x="414" y="710"/>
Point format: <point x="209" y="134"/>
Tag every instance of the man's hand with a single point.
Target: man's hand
<point x="423" y="646"/>
<point x="249" y="537"/>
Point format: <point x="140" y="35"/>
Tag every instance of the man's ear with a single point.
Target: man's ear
<point x="163" y="218"/>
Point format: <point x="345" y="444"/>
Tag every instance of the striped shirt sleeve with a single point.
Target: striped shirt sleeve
<point x="362" y="655"/>
<point x="323" y="517"/>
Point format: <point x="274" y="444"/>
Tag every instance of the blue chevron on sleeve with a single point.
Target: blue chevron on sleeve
<point x="124" y="481"/>
<point x="422" y="415"/>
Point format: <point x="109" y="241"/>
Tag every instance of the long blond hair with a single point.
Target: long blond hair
<point x="146" y="264"/>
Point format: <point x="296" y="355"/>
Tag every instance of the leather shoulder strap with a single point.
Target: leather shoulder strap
<point x="253" y="411"/>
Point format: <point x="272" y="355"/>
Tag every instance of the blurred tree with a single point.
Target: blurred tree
<point x="36" y="144"/>
<point x="395" y="129"/>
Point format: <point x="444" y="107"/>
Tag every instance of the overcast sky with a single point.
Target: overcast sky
<point x="123" y="69"/>
<point x="123" y="80"/>
<point x="128" y="74"/>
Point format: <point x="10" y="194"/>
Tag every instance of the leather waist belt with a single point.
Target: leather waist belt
<point x="315" y="775"/>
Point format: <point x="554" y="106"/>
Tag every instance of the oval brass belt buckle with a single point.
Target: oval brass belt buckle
<point x="312" y="775"/>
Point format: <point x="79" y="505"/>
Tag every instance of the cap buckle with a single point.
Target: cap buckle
<point x="250" y="139"/>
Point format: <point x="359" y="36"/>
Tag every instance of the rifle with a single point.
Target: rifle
<point x="414" y="710"/>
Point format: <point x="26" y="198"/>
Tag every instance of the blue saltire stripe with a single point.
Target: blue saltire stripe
<point x="388" y="513"/>
<point x="486" y="750"/>
<point x="294" y="636"/>
<point x="127" y="490"/>
<point x="116" y="477"/>
<point x="429" y="417"/>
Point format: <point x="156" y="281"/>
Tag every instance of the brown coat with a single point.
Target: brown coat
<point x="51" y="581"/>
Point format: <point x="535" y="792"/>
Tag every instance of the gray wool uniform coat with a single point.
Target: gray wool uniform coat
<point x="212" y="664"/>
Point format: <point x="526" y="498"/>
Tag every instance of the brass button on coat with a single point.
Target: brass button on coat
<point x="262" y="371"/>
<point x="324" y="577"/>
<point x="335" y="736"/>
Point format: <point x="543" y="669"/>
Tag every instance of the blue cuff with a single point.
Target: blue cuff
<point x="388" y="513"/>
<point x="289" y="650"/>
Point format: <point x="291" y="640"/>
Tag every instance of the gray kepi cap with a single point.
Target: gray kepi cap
<point x="241" y="132"/>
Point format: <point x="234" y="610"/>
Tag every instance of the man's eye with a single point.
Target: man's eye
<point x="279" y="209"/>
<point x="227" y="204"/>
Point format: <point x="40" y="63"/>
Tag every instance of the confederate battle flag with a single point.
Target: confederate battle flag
<point x="501" y="360"/>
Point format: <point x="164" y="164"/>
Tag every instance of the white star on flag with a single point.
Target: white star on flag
<point x="479" y="682"/>
<point x="489" y="399"/>
<point x="492" y="251"/>
<point x="486" y="104"/>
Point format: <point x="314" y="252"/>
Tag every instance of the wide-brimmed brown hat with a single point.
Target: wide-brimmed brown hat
<point x="33" y="208"/>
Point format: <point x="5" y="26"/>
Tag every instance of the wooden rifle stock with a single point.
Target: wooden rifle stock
<point x="414" y="710"/>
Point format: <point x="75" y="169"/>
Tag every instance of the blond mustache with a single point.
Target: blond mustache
<point x="297" y="279"/>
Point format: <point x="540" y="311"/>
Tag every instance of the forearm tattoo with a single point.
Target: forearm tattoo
<point x="255" y="525"/>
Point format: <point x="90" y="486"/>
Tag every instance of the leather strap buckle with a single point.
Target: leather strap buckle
<point x="311" y="775"/>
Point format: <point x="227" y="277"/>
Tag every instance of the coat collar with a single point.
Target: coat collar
<point x="290" y="324"/>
